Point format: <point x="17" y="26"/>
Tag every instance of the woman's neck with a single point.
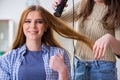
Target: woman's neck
<point x="33" y="45"/>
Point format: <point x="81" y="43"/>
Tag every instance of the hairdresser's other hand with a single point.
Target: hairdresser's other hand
<point x="101" y="45"/>
<point x="56" y="3"/>
<point x="57" y="63"/>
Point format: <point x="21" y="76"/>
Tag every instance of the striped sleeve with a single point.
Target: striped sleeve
<point x="4" y="69"/>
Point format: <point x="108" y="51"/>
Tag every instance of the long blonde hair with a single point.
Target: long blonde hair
<point x="53" y="24"/>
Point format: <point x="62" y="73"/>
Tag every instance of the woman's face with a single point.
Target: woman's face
<point x="34" y="26"/>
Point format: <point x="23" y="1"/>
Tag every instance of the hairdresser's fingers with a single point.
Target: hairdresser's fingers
<point x="105" y="47"/>
<point x="96" y="53"/>
<point x="100" y="52"/>
<point x="56" y="3"/>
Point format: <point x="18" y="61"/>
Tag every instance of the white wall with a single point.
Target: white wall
<point x="12" y="9"/>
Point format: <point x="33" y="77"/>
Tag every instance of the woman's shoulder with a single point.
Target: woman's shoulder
<point x="13" y="53"/>
<point x="9" y="54"/>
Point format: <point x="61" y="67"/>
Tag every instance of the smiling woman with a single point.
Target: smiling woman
<point x="34" y="27"/>
<point x="35" y="53"/>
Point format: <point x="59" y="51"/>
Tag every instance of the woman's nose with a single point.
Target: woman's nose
<point x="33" y="24"/>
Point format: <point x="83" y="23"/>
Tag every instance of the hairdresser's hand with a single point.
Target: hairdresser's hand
<point x="57" y="63"/>
<point x="56" y="3"/>
<point x="101" y="45"/>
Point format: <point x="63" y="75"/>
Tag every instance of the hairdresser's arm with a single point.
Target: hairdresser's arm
<point x="101" y="45"/>
<point x="114" y="44"/>
<point x="117" y="42"/>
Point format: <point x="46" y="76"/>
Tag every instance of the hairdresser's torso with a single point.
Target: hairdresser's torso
<point x="93" y="28"/>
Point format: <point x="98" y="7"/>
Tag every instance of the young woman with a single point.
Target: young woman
<point x="35" y="53"/>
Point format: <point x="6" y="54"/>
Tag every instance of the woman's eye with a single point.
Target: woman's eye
<point x="27" y="21"/>
<point x="40" y="21"/>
